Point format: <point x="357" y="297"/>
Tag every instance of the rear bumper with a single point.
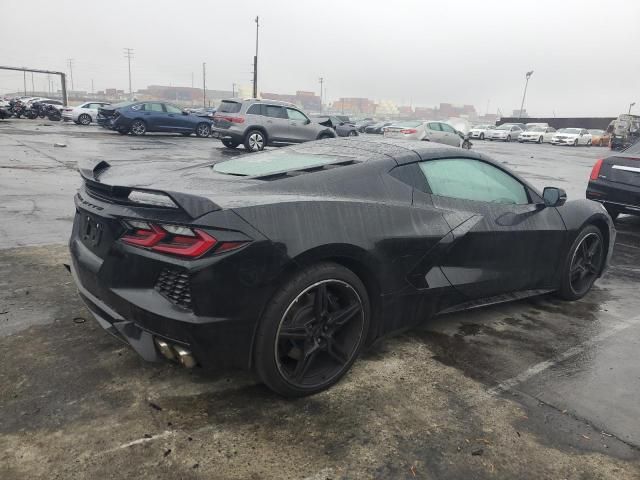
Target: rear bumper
<point x="226" y="134"/>
<point x="615" y="196"/>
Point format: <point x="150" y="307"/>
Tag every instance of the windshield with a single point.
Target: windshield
<point x="480" y="127"/>
<point x="504" y="127"/>
<point x="535" y="129"/>
<point x="277" y="161"/>
<point x="596" y="132"/>
<point x="227" y="106"/>
<point x="407" y="124"/>
<point x="569" y="130"/>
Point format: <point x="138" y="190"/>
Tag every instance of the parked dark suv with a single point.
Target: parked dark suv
<point x="258" y="123"/>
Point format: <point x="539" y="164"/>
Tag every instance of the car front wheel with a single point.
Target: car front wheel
<point x="312" y="331"/>
<point x="508" y="138"/>
<point x="255" y="141"/>
<point x="583" y="264"/>
<point x="203" y="130"/>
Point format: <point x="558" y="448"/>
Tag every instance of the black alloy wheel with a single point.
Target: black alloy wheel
<point x="312" y="331"/>
<point x="138" y="127"/>
<point x="584" y="264"/>
<point x="203" y="130"/>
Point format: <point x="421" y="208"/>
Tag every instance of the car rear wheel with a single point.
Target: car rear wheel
<point x="203" y="130"/>
<point x="353" y="133"/>
<point x="508" y="138"/>
<point x="230" y="144"/>
<point x="575" y="142"/>
<point x="312" y="331"/>
<point x="255" y="141"/>
<point x="482" y="136"/>
<point x="583" y="264"/>
<point x="539" y="139"/>
<point x="138" y="127"/>
<point x="84" y="119"/>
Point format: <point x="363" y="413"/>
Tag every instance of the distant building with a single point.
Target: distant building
<point x="183" y="95"/>
<point x="355" y="105"/>
<point x="518" y="114"/>
<point x="425" y="113"/>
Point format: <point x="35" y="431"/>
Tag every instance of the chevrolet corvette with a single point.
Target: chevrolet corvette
<point x="291" y="261"/>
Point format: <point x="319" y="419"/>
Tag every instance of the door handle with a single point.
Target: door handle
<point x="293" y="123"/>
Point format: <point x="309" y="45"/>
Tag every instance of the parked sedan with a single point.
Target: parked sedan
<point x="506" y="132"/>
<point x="572" y="136"/>
<point x="537" y="134"/>
<point x="283" y="262"/>
<point x="83" y="114"/>
<point x="615" y="182"/>
<point x="437" y="132"/>
<point x="481" y="131"/>
<point x="342" y="128"/>
<point x="599" y="138"/>
<point x="377" y="128"/>
<point x="139" y="118"/>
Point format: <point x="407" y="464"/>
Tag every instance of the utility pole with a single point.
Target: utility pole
<point x="92" y="87"/>
<point x="321" y="82"/>
<point x="233" y="90"/>
<point x="191" y="79"/>
<point x="528" y="76"/>
<point x="49" y="83"/>
<point x="33" y="88"/>
<point x="128" y="53"/>
<point x="631" y="105"/>
<point x="70" y="63"/>
<point x="204" y="84"/>
<point x="24" y="80"/>
<point x="255" y="62"/>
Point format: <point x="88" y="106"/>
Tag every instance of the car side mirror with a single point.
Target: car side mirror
<point x="307" y="121"/>
<point x="554" y="197"/>
<point x="184" y="112"/>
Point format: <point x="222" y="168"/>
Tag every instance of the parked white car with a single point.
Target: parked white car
<point x="506" y="132"/>
<point x="83" y="114"/>
<point x="572" y="136"/>
<point x="438" y="132"/>
<point x="537" y="134"/>
<point x="481" y="131"/>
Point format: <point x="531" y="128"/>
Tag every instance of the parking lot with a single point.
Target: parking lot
<point x="539" y="388"/>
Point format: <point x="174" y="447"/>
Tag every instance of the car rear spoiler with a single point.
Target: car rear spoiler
<point x="193" y="205"/>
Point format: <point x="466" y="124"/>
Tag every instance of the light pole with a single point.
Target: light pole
<point x="128" y="53"/>
<point x="528" y="76"/>
<point x="321" y="82"/>
<point x="204" y="85"/>
<point x="255" y="62"/>
<point x="632" y="104"/>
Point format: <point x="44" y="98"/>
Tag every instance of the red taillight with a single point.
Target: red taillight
<point x="174" y="239"/>
<point x="229" y="119"/>
<point x="408" y="131"/>
<point x="595" y="171"/>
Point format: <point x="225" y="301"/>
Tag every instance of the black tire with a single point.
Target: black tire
<point x="255" y="141"/>
<point x="138" y="127"/>
<point x="324" y="136"/>
<point x="230" y="143"/>
<point x="575" y="142"/>
<point x="122" y="132"/>
<point x="590" y="143"/>
<point x="203" y="130"/>
<point x="540" y="139"/>
<point x="481" y="136"/>
<point x="508" y="139"/>
<point x="352" y="133"/>
<point x="84" y="119"/>
<point x="327" y="341"/>
<point x="577" y="275"/>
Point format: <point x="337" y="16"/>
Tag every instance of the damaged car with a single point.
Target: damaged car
<point x="291" y="261"/>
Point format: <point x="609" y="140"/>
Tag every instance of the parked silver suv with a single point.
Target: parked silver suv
<point x="258" y="123"/>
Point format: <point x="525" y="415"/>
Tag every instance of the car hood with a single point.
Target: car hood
<point x="568" y="135"/>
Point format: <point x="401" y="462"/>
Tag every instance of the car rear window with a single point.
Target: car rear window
<point x="278" y="161"/>
<point x="229" y="107"/>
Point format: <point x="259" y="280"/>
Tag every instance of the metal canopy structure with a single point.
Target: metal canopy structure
<point x="63" y="78"/>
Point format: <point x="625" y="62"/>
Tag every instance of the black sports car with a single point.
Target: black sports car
<point x="615" y="182"/>
<point x="292" y="260"/>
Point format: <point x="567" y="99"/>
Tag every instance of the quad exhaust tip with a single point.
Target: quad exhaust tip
<point x="176" y="353"/>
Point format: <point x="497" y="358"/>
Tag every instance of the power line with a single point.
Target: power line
<point x="128" y="53"/>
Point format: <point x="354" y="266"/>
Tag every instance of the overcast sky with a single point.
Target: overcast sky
<point x="584" y="53"/>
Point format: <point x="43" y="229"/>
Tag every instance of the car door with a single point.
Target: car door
<point x="434" y="132"/>
<point x="178" y="121"/>
<point x="276" y="123"/>
<point x="154" y="116"/>
<point x="300" y="129"/>
<point x="585" y="136"/>
<point x="506" y="240"/>
<point x="450" y="136"/>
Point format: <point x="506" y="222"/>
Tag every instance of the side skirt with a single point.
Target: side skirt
<point x="503" y="298"/>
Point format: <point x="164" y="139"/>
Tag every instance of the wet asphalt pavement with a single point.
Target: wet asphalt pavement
<point x="538" y="388"/>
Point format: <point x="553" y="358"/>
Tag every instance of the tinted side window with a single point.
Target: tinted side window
<point x="255" y="109"/>
<point x="470" y="179"/>
<point x="172" y="109"/>
<point x="435" y="126"/>
<point x="447" y="128"/>
<point x="274" y="111"/>
<point x="153" y="107"/>
<point x="294" y="114"/>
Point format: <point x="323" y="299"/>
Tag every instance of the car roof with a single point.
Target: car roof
<point x="260" y="100"/>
